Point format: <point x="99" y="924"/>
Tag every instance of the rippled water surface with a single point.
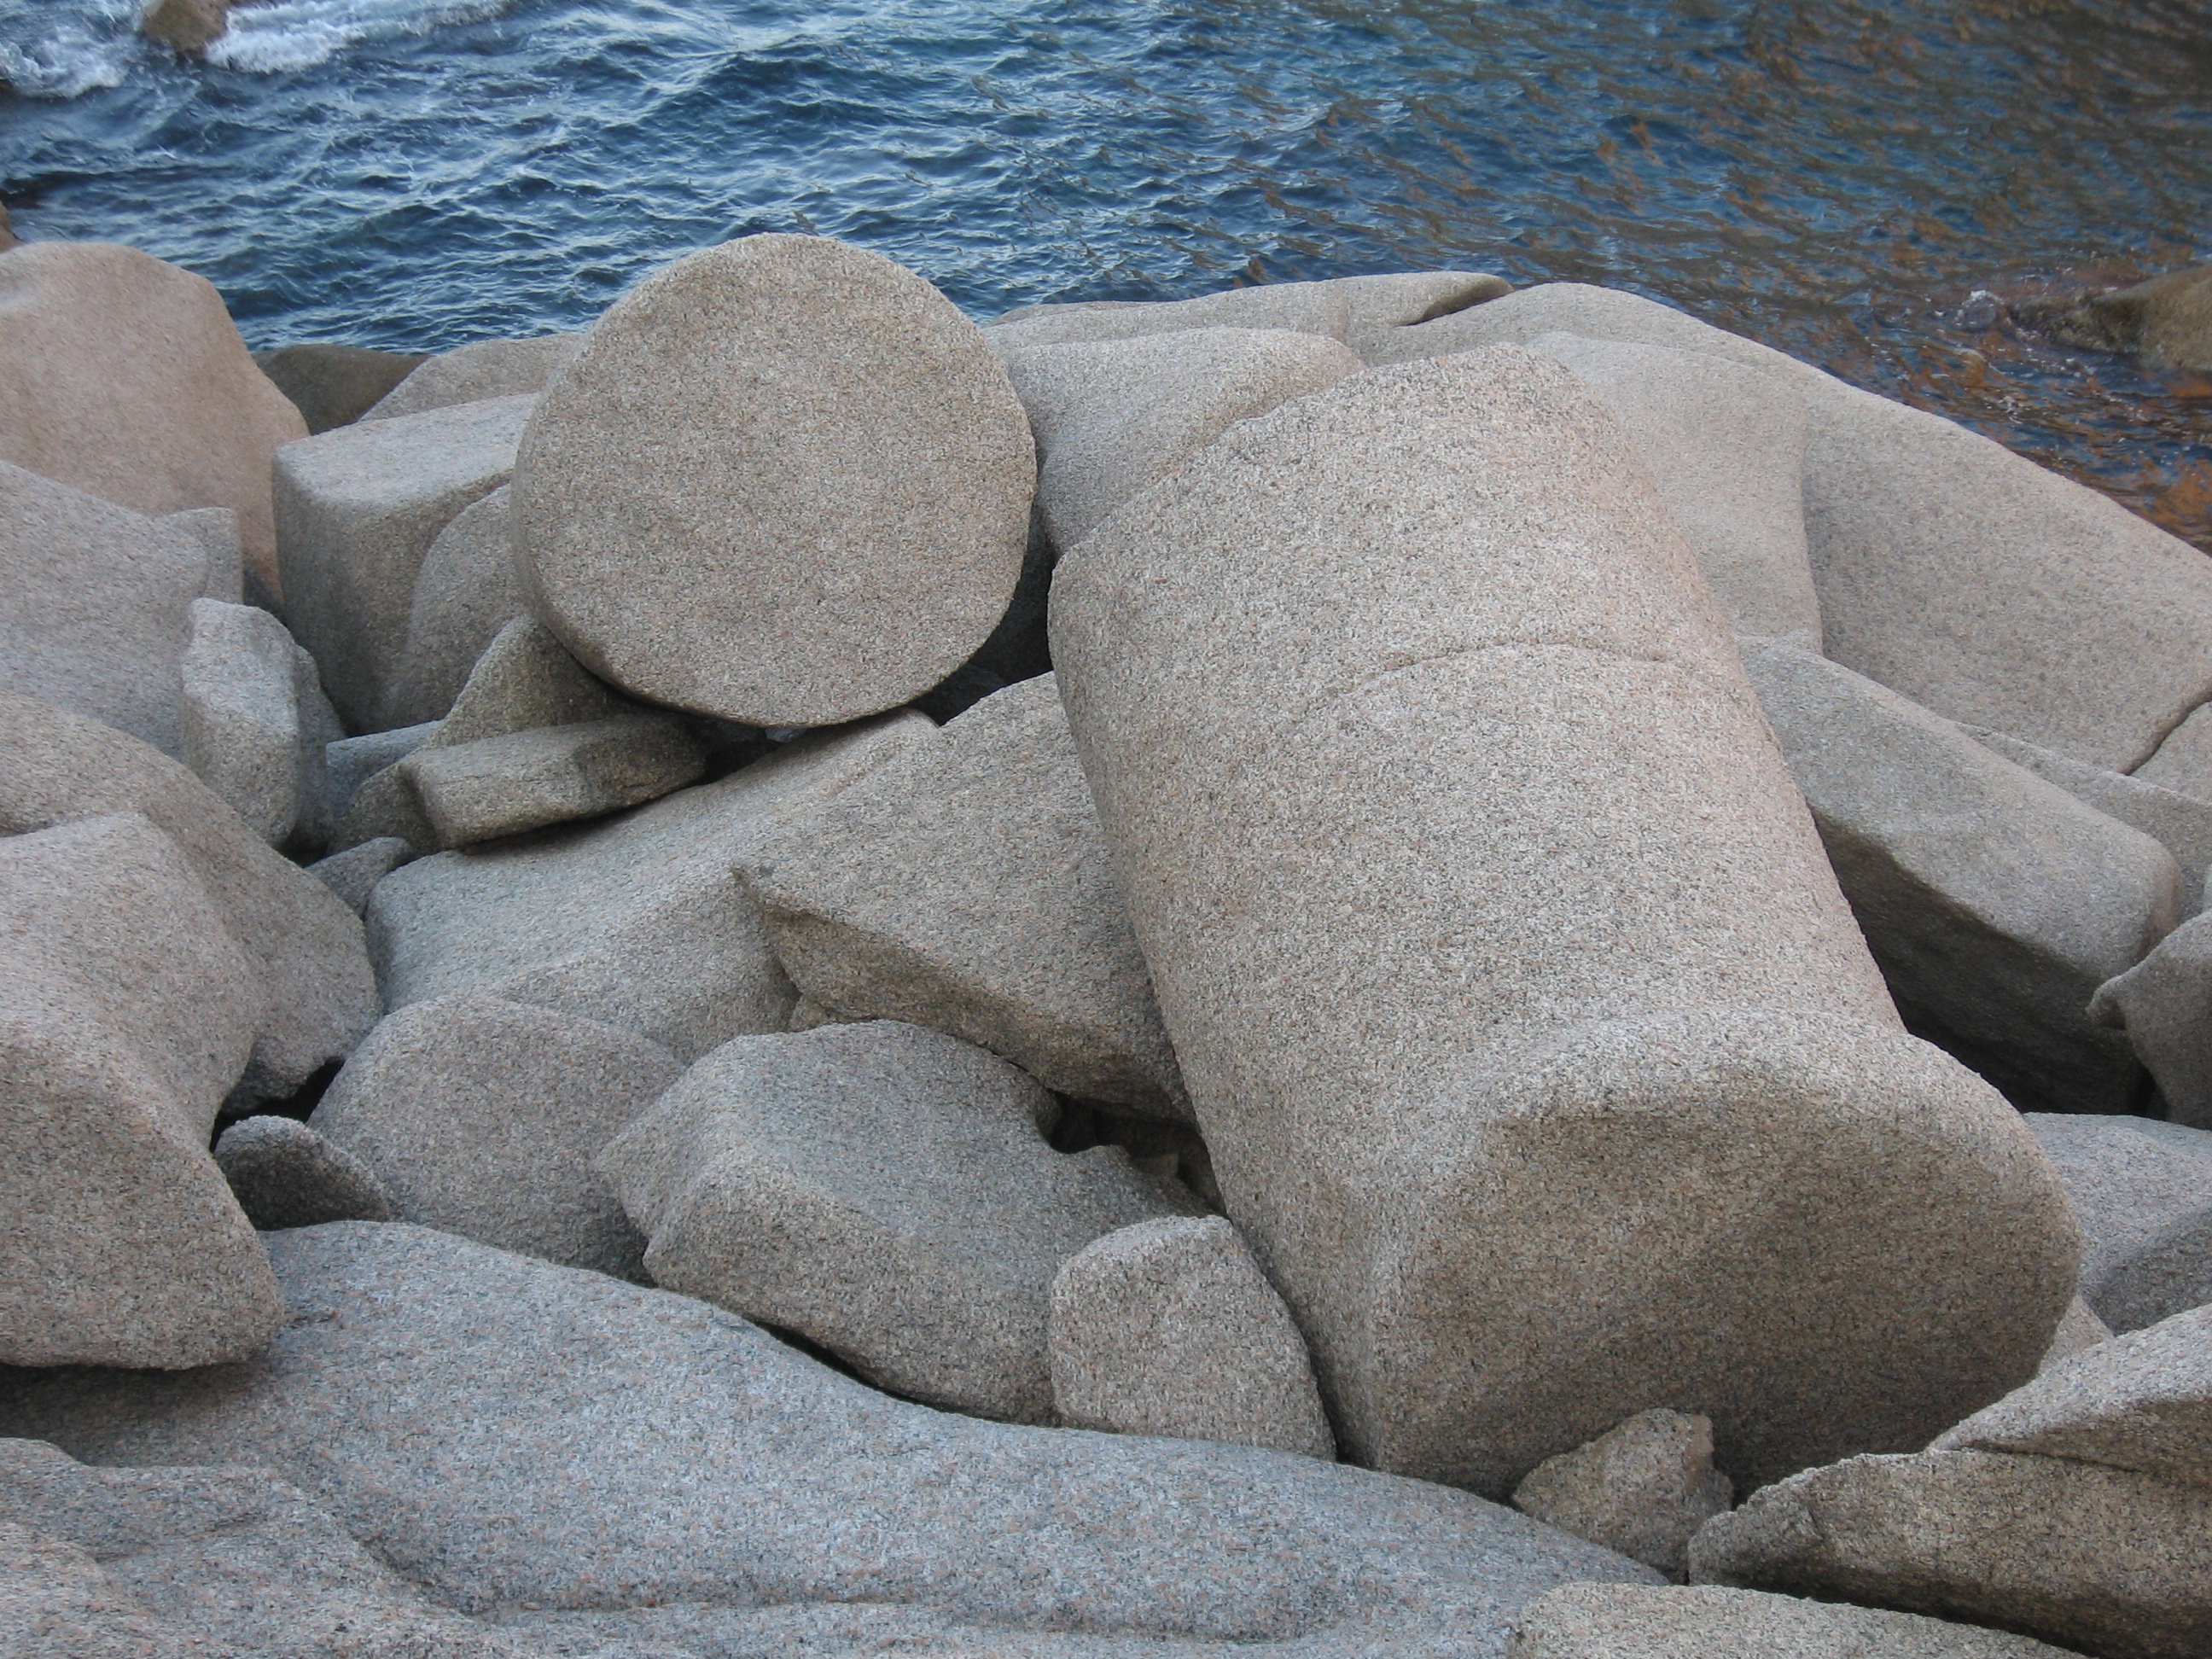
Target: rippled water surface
<point x="1851" y="180"/>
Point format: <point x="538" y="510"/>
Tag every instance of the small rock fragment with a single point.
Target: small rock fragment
<point x="285" y="1174"/>
<point x="353" y="873"/>
<point x="523" y="780"/>
<point x="1642" y="1487"/>
<point x="2078" y="1330"/>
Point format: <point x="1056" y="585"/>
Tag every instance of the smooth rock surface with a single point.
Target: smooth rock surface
<point x="123" y="377"/>
<point x="1112" y="418"/>
<point x="524" y="781"/>
<point x="471" y="374"/>
<point x="304" y="947"/>
<point x="125" y="1014"/>
<point x="333" y="385"/>
<point x="2164" y="1004"/>
<point x="1711" y="1621"/>
<point x="886" y="1191"/>
<point x="255" y="726"/>
<point x="511" y="1433"/>
<point x="639" y="922"/>
<point x="2142" y="1190"/>
<point x="784" y="483"/>
<point x="524" y="678"/>
<point x="285" y="1174"/>
<point x="466" y="591"/>
<point x="353" y="873"/>
<point x="2114" y="1562"/>
<point x="1322" y="308"/>
<point x="1379" y="306"/>
<point x="1444" y="839"/>
<point x="1995" y="901"/>
<point x="357" y="509"/>
<point x="1642" y="1487"/>
<point x="215" y="531"/>
<point x="1168" y="1327"/>
<point x="481" y="1117"/>
<point x="2183" y="760"/>
<point x="965" y="887"/>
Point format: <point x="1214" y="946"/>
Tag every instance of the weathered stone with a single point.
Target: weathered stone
<point x="886" y="1191"/>
<point x="515" y="1434"/>
<point x="214" y="530"/>
<point x="524" y="678"/>
<point x="123" y="377"/>
<point x="471" y="374"/>
<point x="125" y="1013"/>
<point x="784" y="482"/>
<point x="334" y="385"/>
<point x="1379" y="306"/>
<point x="353" y="873"/>
<point x="2164" y="1004"/>
<point x="187" y="27"/>
<point x="2166" y="321"/>
<point x="256" y="725"/>
<point x="1711" y="1621"/>
<point x="639" y="922"/>
<point x="1111" y="418"/>
<point x="1726" y="447"/>
<point x="1642" y="1487"/>
<point x="965" y="887"/>
<point x="1597" y="313"/>
<point x="1502" y="961"/>
<point x="1996" y="902"/>
<point x="2142" y="1190"/>
<point x="466" y="591"/>
<point x="353" y="761"/>
<point x="482" y="1117"/>
<point x="283" y="1174"/>
<point x="1322" y="308"/>
<point x="356" y="511"/>
<point x="2078" y="1332"/>
<point x="1169" y="1327"/>
<point x="2183" y="760"/>
<point x="523" y="780"/>
<point x="304" y="946"/>
<point x="2116" y="1563"/>
<point x="94" y="603"/>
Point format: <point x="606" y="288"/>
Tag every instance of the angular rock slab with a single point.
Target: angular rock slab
<point x="2115" y="1562"/>
<point x="257" y="727"/>
<point x="1494" y="895"/>
<point x="510" y="1432"/>
<point x="1710" y="1621"/>
<point x="482" y="1117"/>
<point x="285" y="1174"/>
<point x="965" y="887"/>
<point x="1642" y="1487"/>
<point x="2142" y="1190"/>
<point x="784" y="482"/>
<point x="2164" y="1004"/>
<point x="471" y="374"/>
<point x="125" y="1013"/>
<point x="886" y="1191"/>
<point x="465" y="591"/>
<point x="1168" y="1327"/>
<point x="332" y="385"/>
<point x="523" y="780"/>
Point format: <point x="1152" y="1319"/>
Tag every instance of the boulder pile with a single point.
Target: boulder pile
<point x="1367" y="968"/>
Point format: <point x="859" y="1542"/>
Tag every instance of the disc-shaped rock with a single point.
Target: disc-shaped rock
<point x="785" y="482"/>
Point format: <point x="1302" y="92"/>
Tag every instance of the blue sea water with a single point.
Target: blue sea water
<point x="1852" y="180"/>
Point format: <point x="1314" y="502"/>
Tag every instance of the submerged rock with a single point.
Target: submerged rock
<point x="2166" y="321"/>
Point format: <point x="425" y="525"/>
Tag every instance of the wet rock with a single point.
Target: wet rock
<point x="1703" y="1621"/>
<point x="285" y="1174"/>
<point x="1322" y="308"/>
<point x="187" y="27"/>
<point x="2142" y="1190"/>
<point x="639" y="922"/>
<point x="1169" y="1327"/>
<point x="965" y="888"/>
<point x="2166" y="321"/>
<point x="256" y="725"/>
<point x="1996" y="902"/>
<point x="464" y="593"/>
<point x="125" y="1014"/>
<point x="512" y="1433"/>
<point x="1402" y="958"/>
<point x="482" y="1117"/>
<point x="471" y="374"/>
<point x="1113" y="417"/>
<point x="784" y="483"/>
<point x="1642" y="1487"/>
<point x="356" y="510"/>
<point x="353" y="873"/>
<point x="332" y="385"/>
<point x="126" y="380"/>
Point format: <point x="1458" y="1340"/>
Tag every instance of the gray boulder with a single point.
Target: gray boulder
<point x="1642" y="1487"/>
<point x="886" y="1191"/>
<point x="1112" y="418"/>
<point x="353" y="873"/>
<point x="1169" y="1327"/>
<point x="1379" y="306"/>
<point x="965" y="887"/>
<point x="304" y="948"/>
<point x="1322" y="308"/>
<point x="2164" y="1004"/>
<point x="125" y="1014"/>
<point x="92" y="606"/>
<point x="333" y="385"/>
<point x="784" y="483"/>
<point x="471" y="374"/>
<point x="513" y="1434"/>
<point x="1996" y="902"/>
<point x="1490" y="894"/>
<point x="524" y="678"/>
<point x="1711" y="1621"/>
<point x="522" y="780"/>
<point x="482" y="1117"/>
<point x="2183" y="760"/>
<point x="2142" y="1190"/>
<point x="639" y="920"/>
<point x="214" y="530"/>
<point x="285" y="1174"/>
<point x="352" y="763"/>
<point x="255" y="726"/>
<point x="356" y="511"/>
<point x="466" y="591"/>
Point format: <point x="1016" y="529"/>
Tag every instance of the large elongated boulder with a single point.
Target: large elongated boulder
<point x="123" y="377"/>
<point x="1707" y="1621"/>
<point x="784" y="482"/>
<point x="2142" y="1190"/>
<point x="1539" y="1057"/>
<point x="1321" y="308"/>
<point x="126" y="1011"/>
<point x="512" y="1434"/>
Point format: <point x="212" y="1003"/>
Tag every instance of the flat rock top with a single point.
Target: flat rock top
<point x="785" y="482"/>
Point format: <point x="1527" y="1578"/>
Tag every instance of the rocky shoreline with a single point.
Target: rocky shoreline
<point x="1354" y="967"/>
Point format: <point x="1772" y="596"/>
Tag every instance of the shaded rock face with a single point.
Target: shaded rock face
<point x="285" y="1174"/>
<point x="2164" y="1005"/>
<point x="2166" y="321"/>
<point x="2143" y="1192"/>
<point x="1706" y="1621"/>
<point x="1494" y="1027"/>
<point x="784" y="482"/>
<point x="1642" y="1487"/>
<point x="331" y="385"/>
<point x="465" y="592"/>
<point x="511" y="1433"/>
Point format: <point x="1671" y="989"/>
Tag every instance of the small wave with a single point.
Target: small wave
<point x="50" y="51"/>
<point x="297" y="34"/>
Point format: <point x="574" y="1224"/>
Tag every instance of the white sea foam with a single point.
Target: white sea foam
<point x="295" y="34"/>
<point x="48" y="49"/>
